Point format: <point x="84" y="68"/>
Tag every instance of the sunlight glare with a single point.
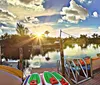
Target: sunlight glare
<point x="39" y="35"/>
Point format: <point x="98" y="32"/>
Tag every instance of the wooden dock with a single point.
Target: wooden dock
<point x="41" y="70"/>
<point x="93" y="81"/>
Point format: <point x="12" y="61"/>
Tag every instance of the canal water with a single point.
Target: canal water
<point x="50" y="58"/>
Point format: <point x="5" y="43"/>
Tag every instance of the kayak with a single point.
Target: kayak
<point x="11" y="70"/>
<point x="60" y="78"/>
<point x="34" y="79"/>
<point x="50" y="79"/>
<point x="87" y="60"/>
<point x="25" y="81"/>
<point x="9" y="79"/>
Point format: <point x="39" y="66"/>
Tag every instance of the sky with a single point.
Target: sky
<point x="74" y="17"/>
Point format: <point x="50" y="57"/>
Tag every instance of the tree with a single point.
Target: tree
<point x="83" y="36"/>
<point x="95" y="35"/>
<point x="5" y="36"/>
<point x="2" y="37"/>
<point x="21" y="30"/>
<point x="46" y="32"/>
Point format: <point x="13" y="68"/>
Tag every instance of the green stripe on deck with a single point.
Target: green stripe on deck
<point x="58" y="76"/>
<point x="34" y="77"/>
<point x="47" y="76"/>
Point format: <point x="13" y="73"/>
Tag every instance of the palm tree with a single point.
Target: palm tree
<point x="95" y="35"/>
<point x="46" y="32"/>
<point x="5" y="36"/>
<point x="2" y="37"/>
<point x="26" y="30"/>
<point x="21" y="30"/>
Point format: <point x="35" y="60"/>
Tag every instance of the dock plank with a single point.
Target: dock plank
<point x="93" y="81"/>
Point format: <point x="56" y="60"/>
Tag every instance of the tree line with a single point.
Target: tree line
<point x="11" y="43"/>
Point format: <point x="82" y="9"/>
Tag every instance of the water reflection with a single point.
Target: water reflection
<point x="51" y="59"/>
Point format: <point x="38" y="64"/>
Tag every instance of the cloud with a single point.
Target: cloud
<point x="6" y="15"/>
<point x="32" y="8"/>
<point x="76" y="31"/>
<point x="85" y="1"/>
<point x="89" y="2"/>
<point x="6" y="12"/>
<point x="32" y="4"/>
<point x="60" y="21"/>
<point x="29" y="19"/>
<point x="32" y="1"/>
<point x="41" y="28"/>
<point x="67" y="25"/>
<point x="7" y="28"/>
<point x="74" y="13"/>
<point x="24" y="11"/>
<point x="5" y="18"/>
<point x="95" y="14"/>
<point x="82" y="1"/>
<point x="99" y="27"/>
<point x="26" y="1"/>
<point x="1" y="31"/>
<point x="32" y="20"/>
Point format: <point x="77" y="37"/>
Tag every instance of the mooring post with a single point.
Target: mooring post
<point x="62" y="55"/>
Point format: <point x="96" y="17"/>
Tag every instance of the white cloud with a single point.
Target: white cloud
<point x="95" y="14"/>
<point x="89" y="2"/>
<point x="7" y="28"/>
<point x="82" y="1"/>
<point x="85" y="1"/>
<point x="1" y="31"/>
<point x="60" y="20"/>
<point x="4" y="18"/>
<point x="99" y="27"/>
<point x="74" y="13"/>
<point x="6" y="13"/>
<point x="41" y="28"/>
<point x="67" y="25"/>
<point x="76" y="31"/>
<point x="34" y="4"/>
<point x="24" y="11"/>
<point x="31" y="20"/>
<point x="32" y="8"/>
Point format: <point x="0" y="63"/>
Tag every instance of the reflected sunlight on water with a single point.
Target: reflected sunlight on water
<point x="76" y="52"/>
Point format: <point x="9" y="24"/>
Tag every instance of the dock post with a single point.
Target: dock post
<point x="62" y="56"/>
<point x="21" y="59"/>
